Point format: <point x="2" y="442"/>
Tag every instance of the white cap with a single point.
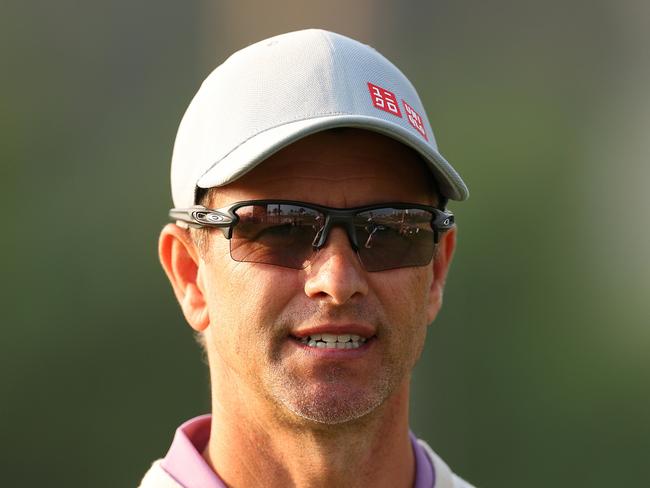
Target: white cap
<point x="279" y="90"/>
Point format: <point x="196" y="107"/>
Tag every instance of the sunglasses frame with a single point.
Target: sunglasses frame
<point x="225" y="218"/>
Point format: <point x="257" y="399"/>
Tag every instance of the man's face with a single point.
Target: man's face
<point x="259" y="312"/>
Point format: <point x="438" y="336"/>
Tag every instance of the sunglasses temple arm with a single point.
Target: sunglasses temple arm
<point x="199" y="217"/>
<point x="443" y="221"/>
<point x="183" y="218"/>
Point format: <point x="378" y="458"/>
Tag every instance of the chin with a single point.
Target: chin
<point x="332" y="404"/>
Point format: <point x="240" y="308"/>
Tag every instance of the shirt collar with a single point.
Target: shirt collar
<point x="184" y="460"/>
<point x="185" y="463"/>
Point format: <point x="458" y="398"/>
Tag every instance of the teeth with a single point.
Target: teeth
<point x="331" y="338"/>
<point x="333" y="341"/>
<point x="334" y="338"/>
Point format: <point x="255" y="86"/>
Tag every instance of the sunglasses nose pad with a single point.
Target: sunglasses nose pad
<point x="320" y="239"/>
<point x="316" y="243"/>
<point x="371" y="232"/>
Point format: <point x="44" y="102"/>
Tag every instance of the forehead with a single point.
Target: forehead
<point x="340" y="168"/>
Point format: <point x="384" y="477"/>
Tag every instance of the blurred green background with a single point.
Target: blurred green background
<point x="535" y="374"/>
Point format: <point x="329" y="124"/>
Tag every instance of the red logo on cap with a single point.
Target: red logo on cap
<point x="414" y="119"/>
<point x="384" y="100"/>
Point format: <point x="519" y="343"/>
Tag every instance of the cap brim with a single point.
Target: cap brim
<point x="259" y="147"/>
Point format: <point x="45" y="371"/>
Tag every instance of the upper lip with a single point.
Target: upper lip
<point x="363" y="330"/>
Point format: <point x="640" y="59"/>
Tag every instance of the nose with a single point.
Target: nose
<point x="335" y="273"/>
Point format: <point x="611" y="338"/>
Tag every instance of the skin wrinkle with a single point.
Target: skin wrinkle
<point x="271" y="400"/>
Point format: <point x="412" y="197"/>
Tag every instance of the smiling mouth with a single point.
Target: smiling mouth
<point x="332" y="341"/>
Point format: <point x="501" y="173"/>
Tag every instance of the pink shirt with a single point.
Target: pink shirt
<point x="186" y="465"/>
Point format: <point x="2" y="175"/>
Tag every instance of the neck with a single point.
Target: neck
<point x="251" y="447"/>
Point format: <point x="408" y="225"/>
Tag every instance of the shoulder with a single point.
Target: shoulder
<point x="445" y="478"/>
<point x="157" y="477"/>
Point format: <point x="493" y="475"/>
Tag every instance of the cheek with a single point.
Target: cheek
<point x="405" y="294"/>
<point x="245" y="301"/>
<point x="404" y="298"/>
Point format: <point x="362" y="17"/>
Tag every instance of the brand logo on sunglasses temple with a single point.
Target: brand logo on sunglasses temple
<point x="210" y="217"/>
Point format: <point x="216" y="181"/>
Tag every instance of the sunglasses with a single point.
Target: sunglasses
<point x="288" y="233"/>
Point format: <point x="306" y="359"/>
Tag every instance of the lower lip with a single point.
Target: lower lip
<point x="333" y="353"/>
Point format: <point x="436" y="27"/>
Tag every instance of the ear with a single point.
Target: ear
<point x="441" y="263"/>
<point x="180" y="260"/>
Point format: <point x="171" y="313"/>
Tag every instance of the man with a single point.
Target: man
<point x="310" y="252"/>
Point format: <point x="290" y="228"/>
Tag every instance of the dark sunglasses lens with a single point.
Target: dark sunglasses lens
<point x="391" y="238"/>
<point x="277" y="234"/>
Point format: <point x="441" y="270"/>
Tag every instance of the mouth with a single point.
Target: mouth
<point x="334" y="337"/>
